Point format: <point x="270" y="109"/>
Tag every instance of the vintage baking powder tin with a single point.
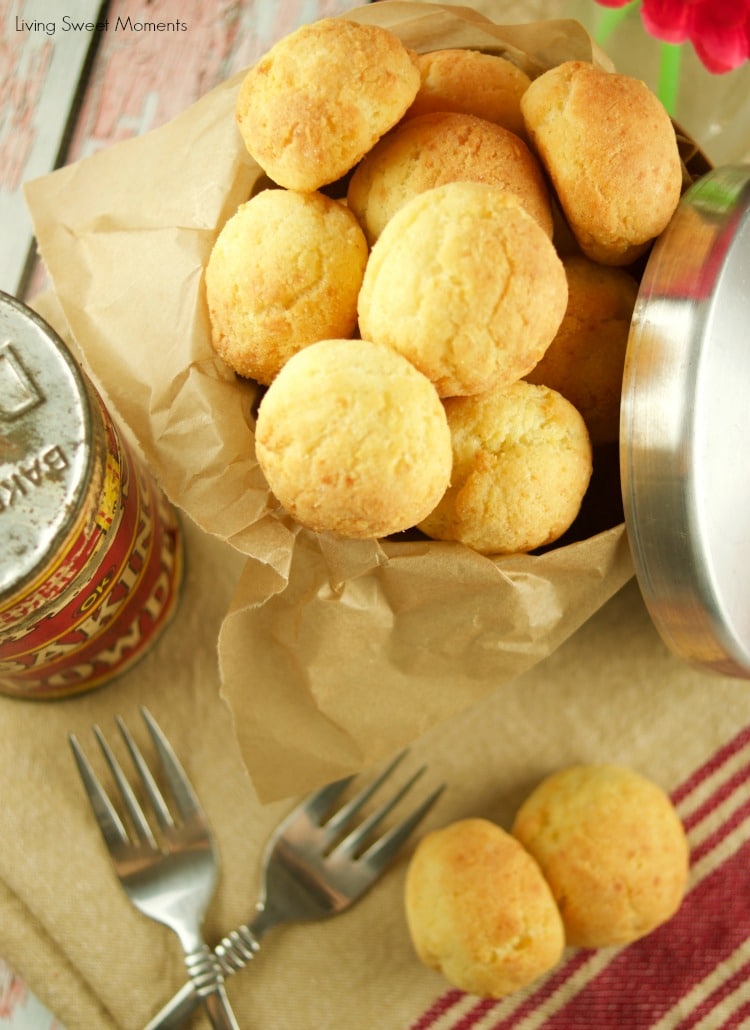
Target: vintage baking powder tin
<point x="90" y="550"/>
<point x="685" y="427"/>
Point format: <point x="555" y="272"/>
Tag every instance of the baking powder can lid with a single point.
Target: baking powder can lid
<point x="685" y="427"/>
<point x="45" y="452"/>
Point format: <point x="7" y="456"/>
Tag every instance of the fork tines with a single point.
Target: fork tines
<point x="344" y="840"/>
<point x="112" y="827"/>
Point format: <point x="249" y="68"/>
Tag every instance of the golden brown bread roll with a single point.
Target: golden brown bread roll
<point x="479" y="911"/>
<point x="585" y="360"/>
<point x="285" y="271"/>
<point x="438" y="148"/>
<point x="353" y="439"/>
<point x="321" y="97"/>
<point x="471" y="82"/>
<point x="521" y="467"/>
<point x="612" y="849"/>
<point x="611" y="152"/>
<point x="466" y="285"/>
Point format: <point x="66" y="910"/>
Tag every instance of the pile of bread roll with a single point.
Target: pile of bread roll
<point x="597" y="857"/>
<point x="434" y="284"/>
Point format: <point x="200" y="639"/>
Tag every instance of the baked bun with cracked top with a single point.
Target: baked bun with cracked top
<point x="612" y="849"/>
<point x="465" y="284"/>
<point x="521" y="467"/>
<point x="471" y="82"/>
<point x="611" y="152"/>
<point x="479" y="910"/>
<point x="286" y="270"/>
<point x="585" y="361"/>
<point x="319" y="99"/>
<point x="438" y="148"/>
<point x="353" y="439"/>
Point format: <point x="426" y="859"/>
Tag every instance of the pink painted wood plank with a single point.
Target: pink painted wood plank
<point x="42" y="54"/>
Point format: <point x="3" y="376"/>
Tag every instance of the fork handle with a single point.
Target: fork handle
<point x="177" y="1011"/>
<point x="219" y="1010"/>
<point x="208" y="985"/>
<point x="233" y="953"/>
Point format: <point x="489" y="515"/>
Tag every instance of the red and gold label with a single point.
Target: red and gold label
<point x="108" y="588"/>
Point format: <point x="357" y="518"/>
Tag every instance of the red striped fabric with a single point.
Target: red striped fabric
<point x="692" y="971"/>
<point x="714" y="999"/>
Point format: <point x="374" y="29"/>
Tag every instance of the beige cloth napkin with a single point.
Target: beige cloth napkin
<point x="612" y="692"/>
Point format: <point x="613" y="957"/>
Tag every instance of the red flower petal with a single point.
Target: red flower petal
<point x="723" y="53"/>
<point x="718" y="29"/>
<point x="721" y="34"/>
<point x="668" y="20"/>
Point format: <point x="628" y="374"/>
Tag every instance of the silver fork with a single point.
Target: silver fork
<point x="316" y="864"/>
<point x="172" y="879"/>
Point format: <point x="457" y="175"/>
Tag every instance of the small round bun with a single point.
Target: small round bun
<point x="321" y="97"/>
<point x="353" y="439"/>
<point x="439" y="148"/>
<point x="286" y="270"/>
<point x="611" y="152"/>
<point x="521" y="466"/>
<point x="479" y="910"/>
<point x="466" y="285"/>
<point x="470" y="82"/>
<point x="612" y="848"/>
<point x="585" y="361"/>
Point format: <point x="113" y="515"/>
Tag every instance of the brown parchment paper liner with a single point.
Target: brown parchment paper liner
<point x="333" y="652"/>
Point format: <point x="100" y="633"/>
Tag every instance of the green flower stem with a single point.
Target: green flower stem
<point x="669" y="75"/>
<point x="610" y="18"/>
